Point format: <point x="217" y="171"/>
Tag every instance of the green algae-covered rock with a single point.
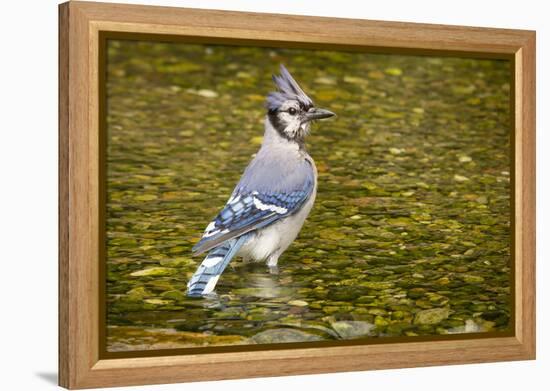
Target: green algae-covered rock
<point x="154" y="272"/>
<point x="431" y="316"/>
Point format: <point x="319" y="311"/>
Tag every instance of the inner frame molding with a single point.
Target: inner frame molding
<point x="82" y="27"/>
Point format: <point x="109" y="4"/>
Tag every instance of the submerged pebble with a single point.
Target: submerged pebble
<point x="352" y="329"/>
<point x="431" y="316"/>
<point x="284" y="335"/>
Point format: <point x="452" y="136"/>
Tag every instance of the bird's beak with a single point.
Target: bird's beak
<point x="315" y="113"/>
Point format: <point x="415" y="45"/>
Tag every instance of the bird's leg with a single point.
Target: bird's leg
<point x="272" y="264"/>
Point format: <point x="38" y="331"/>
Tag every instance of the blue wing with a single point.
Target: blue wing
<point x="247" y="211"/>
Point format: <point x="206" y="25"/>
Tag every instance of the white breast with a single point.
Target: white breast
<point x="270" y="242"/>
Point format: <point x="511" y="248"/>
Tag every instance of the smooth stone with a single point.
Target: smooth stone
<point x="376" y="285"/>
<point x="381" y="321"/>
<point x="472" y="279"/>
<point x="257" y="140"/>
<point x="146" y="197"/>
<point x="396" y="151"/>
<point x="173" y="295"/>
<point x="284" y="335"/>
<point x="298" y="303"/>
<point x="431" y="316"/>
<point x="175" y="262"/>
<point x="158" y="301"/>
<point x="207" y="93"/>
<point x="469" y="327"/>
<point x="325" y="80"/>
<point x="355" y="80"/>
<point x="138" y="293"/>
<point x="154" y="271"/>
<point x="394" y="71"/>
<point x="352" y="328"/>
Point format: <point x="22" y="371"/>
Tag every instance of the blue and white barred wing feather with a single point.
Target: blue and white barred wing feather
<point x="245" y="212"/>
<point x="225" y="235"/>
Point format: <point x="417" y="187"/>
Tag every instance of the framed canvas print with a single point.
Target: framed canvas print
<point x="247" y="195"/>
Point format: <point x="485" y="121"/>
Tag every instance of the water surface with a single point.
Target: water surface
<point x="410" y="233"/>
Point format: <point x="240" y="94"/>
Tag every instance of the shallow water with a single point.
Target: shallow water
<point x="410" y="231"/>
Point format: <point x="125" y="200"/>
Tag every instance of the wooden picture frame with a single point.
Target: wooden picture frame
<point x="80" y="27"/>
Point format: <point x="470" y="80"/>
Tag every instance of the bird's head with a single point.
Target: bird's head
<point x="290" y="110"/>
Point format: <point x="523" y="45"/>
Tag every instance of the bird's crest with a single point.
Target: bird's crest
<point x="288" y="89"/>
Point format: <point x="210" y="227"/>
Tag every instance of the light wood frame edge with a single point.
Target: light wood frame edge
<point x="79" y="363"/>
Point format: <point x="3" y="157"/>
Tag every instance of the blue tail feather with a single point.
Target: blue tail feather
<point x="207" y="274"/>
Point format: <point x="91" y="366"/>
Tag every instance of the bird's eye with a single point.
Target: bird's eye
<point x="292" y="111"/>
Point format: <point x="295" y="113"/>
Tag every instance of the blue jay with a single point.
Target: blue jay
<point x="274" y="195"/>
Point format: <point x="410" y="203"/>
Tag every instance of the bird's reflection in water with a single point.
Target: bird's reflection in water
<point x="251" y="282"/>
<point x="267" y="285"/>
